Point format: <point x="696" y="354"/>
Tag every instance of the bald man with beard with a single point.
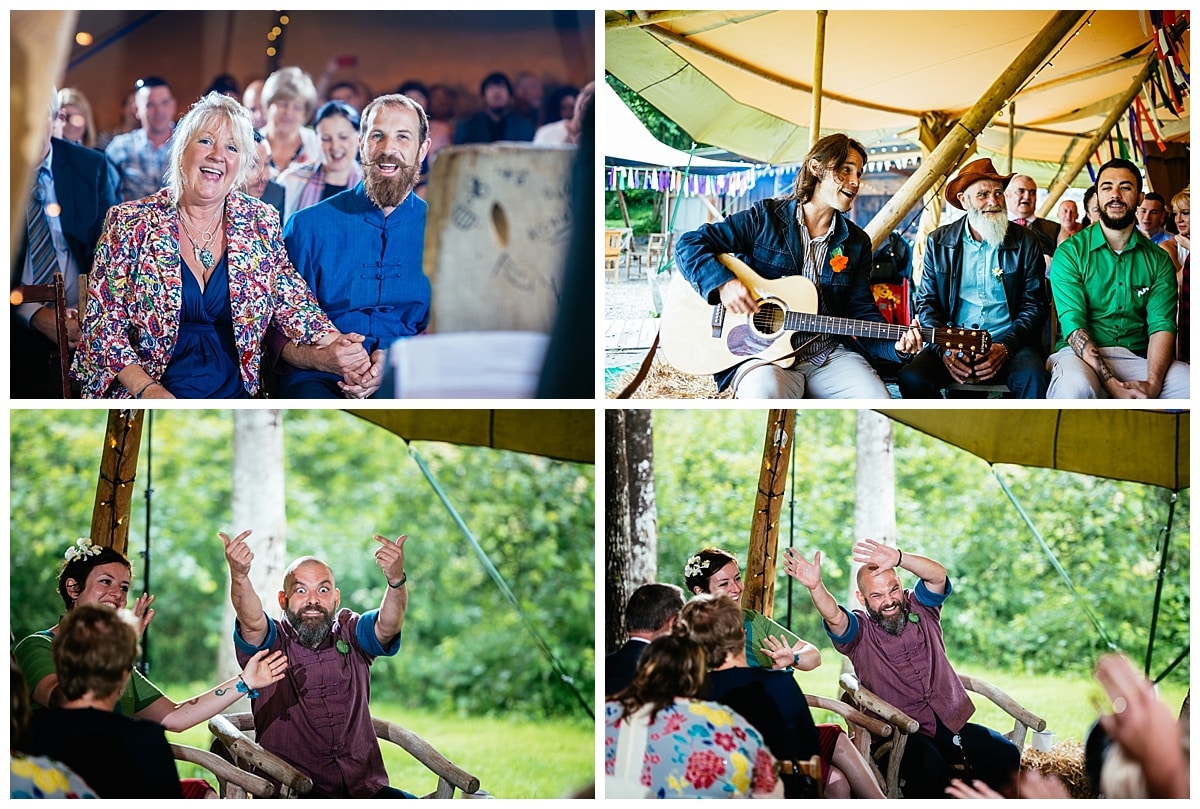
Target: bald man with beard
<point x="361" y="253"/>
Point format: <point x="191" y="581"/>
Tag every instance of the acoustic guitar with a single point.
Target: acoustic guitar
<point x="700" y="338"/>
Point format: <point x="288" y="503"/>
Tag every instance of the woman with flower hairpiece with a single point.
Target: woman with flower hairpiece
<point x="92" y="574"/>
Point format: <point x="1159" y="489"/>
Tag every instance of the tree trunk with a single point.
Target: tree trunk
<point x="874" y="485"/>
<point x="631" y="519"/>
<point x="258" y="505"/>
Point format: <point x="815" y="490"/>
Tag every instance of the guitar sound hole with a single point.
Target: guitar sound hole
<point x="768" y="320"/>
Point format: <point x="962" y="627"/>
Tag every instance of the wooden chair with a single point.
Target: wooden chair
<point x="55" y="294"/>
<point x="810" y="767"/>
<point x="231" y="740"/>
<point x="233" y="782"/>
<point x="891" y="751"/>
<point x="860" y="727"/>
<point x="612" y="255"/>
<point x="657" y="246"/>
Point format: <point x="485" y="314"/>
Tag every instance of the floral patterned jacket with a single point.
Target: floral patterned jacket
<point x="135" y="292"/>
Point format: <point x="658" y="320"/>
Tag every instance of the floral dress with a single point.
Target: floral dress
<point x="697" y="749"/>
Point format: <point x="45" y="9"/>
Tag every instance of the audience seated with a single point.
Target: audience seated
<point x="289" y="99"/>
<point x="673" y="744"/>
<point x="773" y="702"/>
<point x="35" y="776"/>
<point x="74" y="121"/>
<point x="650" y="614"/>
<point x="497" y="121"/>
<point x="557" y="113"/>
<point x="94" y="650"/>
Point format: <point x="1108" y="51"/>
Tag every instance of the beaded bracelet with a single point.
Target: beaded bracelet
<point x="242" y="688"/>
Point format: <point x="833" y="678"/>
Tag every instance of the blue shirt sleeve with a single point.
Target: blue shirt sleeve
<point x="365" y="635"/>
<point x="851" y="627"/>
<point x="242" y="645"/>
<point x="929" y="599"/>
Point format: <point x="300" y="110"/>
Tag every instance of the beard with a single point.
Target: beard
<point x="311" y="631"/>
<point x="893" y="625"/>
<point x="388" y="192"/>
<point x="990" y="225"/>
<point x="1118" y="223"/>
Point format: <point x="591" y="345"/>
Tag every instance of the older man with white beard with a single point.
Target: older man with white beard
<point x="980" y="272"/>
<point x="361" y="252"/>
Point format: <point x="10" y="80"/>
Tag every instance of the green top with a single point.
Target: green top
<point x="36" y="661"/>
<point x="758" y="626"/>
<point x="1120" y="300"/>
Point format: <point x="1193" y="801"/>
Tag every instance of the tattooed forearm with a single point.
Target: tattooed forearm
<point x="220" y="692"/>
<point x="1081" y="343"/>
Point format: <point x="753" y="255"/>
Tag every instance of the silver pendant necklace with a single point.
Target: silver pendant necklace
<point x="203" y="254"/>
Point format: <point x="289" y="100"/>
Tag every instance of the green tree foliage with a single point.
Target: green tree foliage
<point x="464" y="647"/>
<point x="1011" y="608"/>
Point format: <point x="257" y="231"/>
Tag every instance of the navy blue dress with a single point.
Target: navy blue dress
<point x="204" y="364"/>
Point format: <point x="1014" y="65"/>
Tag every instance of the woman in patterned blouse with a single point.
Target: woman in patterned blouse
<point x="694" y="748"/>
<point x="186" y="280"/>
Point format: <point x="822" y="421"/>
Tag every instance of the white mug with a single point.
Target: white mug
<point x="1044" y="740"/>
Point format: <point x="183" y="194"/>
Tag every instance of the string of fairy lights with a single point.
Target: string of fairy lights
<point x="274" y="48"/>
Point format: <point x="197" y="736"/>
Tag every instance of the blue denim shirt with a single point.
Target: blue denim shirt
<point x="768" y="239"/>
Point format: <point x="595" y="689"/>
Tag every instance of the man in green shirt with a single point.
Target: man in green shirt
<point x="1116" y="297"/>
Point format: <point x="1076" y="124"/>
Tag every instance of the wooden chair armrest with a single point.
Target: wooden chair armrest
<point x="870" y="701"/>
<point x="425" y="753"/>
<point x="245" y="750"/>
<point x="1006" y="703"/>
<point x="876" y="727"/>
<point x="225" y="772"/>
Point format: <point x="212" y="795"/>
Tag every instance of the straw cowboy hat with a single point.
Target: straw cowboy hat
<point x="973" y="172"/>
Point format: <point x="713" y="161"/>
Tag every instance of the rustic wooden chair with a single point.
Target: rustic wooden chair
<point x="613" y="240"/>
<point x="232" y="739"/>
<point x="233" y="782"/>
<point x="891" y="751"/>
<point x="860" y="727"/>
<point x="53" y="293"/>
<point x="658" y="246"/>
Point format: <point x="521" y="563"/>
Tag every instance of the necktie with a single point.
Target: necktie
<point x="42" y="257"/>
<point x="1020" y="221"/>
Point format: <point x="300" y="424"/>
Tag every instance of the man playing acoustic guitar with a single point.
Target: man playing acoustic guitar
<point x="987" y="272"/>
<point x="807" y="234"/>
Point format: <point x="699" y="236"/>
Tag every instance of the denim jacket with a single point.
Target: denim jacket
<point x="1024" y="269"/>
<point x="767" y="238"/>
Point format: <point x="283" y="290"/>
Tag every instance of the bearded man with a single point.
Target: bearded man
<point x="1116" y="295"/>
<point x="896" y="646"/>
<point x="361" y="253"/>
<point x="981" y="272"/>
<point x="318" y="718"/>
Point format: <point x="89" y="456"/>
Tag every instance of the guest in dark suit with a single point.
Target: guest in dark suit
<point x="497" y="120"/>
<point x="73" y="189"/>
<point x="650" y="614"/>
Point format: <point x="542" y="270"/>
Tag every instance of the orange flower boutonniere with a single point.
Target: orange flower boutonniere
<point x="838" y="260"/>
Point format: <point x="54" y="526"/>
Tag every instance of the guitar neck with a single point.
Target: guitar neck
<point x="822" y="324"/>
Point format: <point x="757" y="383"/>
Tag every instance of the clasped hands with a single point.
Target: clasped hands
<point x="345" y="355"/>
<point x="964" y="365"/>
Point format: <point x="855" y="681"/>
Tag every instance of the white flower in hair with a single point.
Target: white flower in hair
<point x="694" y="566"/>
<point x="82" y="549"/>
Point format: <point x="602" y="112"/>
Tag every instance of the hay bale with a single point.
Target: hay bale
<point x="664" y="382"/>
<point x="1064" y="761"/>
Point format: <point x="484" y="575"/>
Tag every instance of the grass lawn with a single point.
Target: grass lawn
<point x="1064" y="701"/>
<point x="511" y="757"/>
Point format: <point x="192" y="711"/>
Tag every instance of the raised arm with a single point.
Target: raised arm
<point x="870" y="552"/>
<point x="390" y="558"/>
<point x="809" y="574"/>
<point x="264" y="668"/>
<point x="246" y="603"/>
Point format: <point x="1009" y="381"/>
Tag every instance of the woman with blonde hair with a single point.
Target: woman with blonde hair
<point x="289" y="99"/>
<point x="74" y="121"/>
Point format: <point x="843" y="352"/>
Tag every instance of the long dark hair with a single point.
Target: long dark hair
<point x="671" y="666"/>
<point x="81" y="567"/>
<point x="830" y="152"/>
